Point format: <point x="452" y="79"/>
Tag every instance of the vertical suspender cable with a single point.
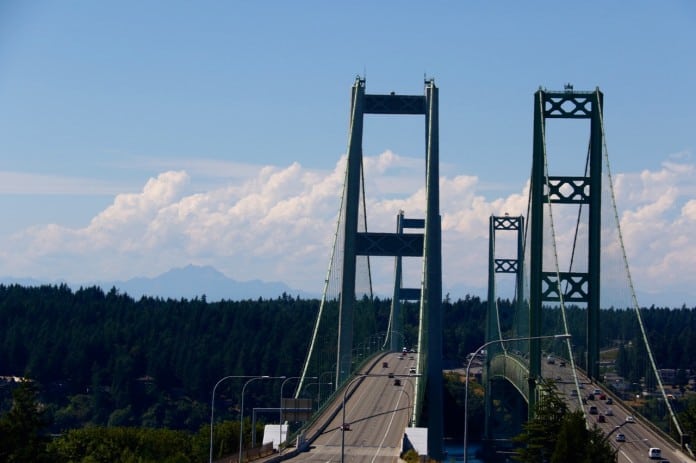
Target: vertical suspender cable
<point x="329" y="272"/>
<point x="634" y="299"/>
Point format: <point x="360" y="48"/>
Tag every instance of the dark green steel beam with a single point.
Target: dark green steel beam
<point x="579" y="286"/>
<point x="594" y="236"/>
<point x="429" y="245"/>
<point x="350" y="231"/>
<point x="394" y="104"/>
<point x="499" y="265"/>
<point x="389" y="244"/>
<point x="433" y="276"/>
<point x="536" y="248"/>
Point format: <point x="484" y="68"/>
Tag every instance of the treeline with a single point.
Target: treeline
<point x="103" y="358"/>
<point x="669" y="332"/>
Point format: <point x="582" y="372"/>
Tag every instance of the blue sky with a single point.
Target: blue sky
<point x="140" y="136"/>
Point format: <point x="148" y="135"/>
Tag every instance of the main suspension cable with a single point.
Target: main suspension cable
<point x="634" y="299"/>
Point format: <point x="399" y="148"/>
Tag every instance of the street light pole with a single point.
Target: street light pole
<point x="280" y="427"/>
<point x="318" y="384"/>
<point x="413" y="389"/>
<point x="212" y="408"/>
<point x="241" y="411"/>
<point x="468" y="367"/>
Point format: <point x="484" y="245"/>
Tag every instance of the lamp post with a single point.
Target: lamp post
<point x="241" y="411"/>
<point x="413" y="389"/>
<point x="280" y="428"/>
<point x="318" y="384"/>
<point x="212" y="408"/>
<point x="331" y="376"/>
<point x="468" y="367"/>
<point x="408" y="409"/>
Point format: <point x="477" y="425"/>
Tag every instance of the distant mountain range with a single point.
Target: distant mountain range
<point x="196" y="281"/>
<point x="188" y="282"/>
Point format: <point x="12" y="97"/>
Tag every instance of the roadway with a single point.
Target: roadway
<point x="377" y="413"/>
<point x="639" y="437"/>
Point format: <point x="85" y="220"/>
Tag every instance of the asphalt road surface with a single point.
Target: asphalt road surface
<point x="377" y="413"/>
<point x="638" y="436"/>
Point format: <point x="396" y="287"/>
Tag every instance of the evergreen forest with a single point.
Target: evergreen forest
<point x="103" y="359"/>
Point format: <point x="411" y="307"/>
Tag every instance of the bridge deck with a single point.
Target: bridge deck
<point x="639" y="435"/>
<point x="377" y="412"/>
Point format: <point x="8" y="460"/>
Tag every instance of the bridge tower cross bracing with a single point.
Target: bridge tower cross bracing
<point x="505" y="266"/>
<point x="546" y="286"/>
<point x="400" y="293"/>
<point x="428" y="246"/>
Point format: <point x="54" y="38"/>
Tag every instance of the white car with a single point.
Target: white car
<point x="609" y="412"/>
<point x="630" y="419"/>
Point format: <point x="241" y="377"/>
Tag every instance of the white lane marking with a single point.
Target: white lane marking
<point x="391" y="421"/>
<point x="625" y="456"/>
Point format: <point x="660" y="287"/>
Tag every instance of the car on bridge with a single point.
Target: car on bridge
<point x="630" y="419"/>
<point x="620" y="437"/>
<point x="593" y="410"/>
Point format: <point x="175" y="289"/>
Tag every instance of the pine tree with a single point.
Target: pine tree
<point x="540" y="434"/>
<point x="21" y="438"/>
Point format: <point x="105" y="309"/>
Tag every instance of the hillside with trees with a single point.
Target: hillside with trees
<point x="103" y="359"/>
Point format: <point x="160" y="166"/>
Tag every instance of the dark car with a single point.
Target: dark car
<point x="609" y="401"/>
<point x="601" y="419"/>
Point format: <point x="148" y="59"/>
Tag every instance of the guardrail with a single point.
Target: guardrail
<point x="330" y="402"/>
<point x="500" y="366"/>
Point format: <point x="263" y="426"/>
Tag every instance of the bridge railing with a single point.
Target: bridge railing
<point x="511" y="367"/>
<point x="332" y="402"/>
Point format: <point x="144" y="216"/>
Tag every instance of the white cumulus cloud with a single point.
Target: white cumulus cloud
<point x="278" y="224"/>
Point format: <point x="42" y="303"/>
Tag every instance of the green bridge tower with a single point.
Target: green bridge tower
<point x="548" y="285"/>
<point x="427" y="245"/>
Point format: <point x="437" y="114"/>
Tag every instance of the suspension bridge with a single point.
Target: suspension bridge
<point x="550" y="271"/>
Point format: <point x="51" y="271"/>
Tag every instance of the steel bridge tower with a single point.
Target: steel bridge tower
<point x="505" y="266"/>
<point x="545" y="286"/>
<point x="427" y="245"/>
<point x="400" y="293"/>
